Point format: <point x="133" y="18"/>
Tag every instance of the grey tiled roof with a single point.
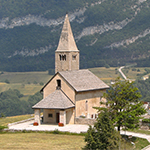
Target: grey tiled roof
<point x="56" y="100"/>
<point x="83" y="80"/>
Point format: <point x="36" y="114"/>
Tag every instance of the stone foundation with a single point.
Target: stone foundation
<point x="144" y="126"/>
<point x="87" y="121"/>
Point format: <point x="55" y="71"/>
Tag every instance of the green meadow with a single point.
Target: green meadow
<point x="45" y="141"/>
<point x="134" y="73"/>
<point x="6" y="120"/>
<point x="28" y="83"/>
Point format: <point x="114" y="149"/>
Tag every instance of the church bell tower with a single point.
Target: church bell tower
<point x="67" y="53"/>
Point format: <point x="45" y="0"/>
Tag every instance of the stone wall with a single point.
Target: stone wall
<point x="87" y="121"/>
<point x="144" y="126"/>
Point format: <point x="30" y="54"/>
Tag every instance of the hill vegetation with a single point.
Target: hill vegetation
<point x="105" y="34"/>
<point x="11" y="105"/>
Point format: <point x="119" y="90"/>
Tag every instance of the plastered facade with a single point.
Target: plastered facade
<point x="65" y="116"/>
<point x="70" y="116"/>
<point x="85" y="101"/>
<point x="66" y="88"/>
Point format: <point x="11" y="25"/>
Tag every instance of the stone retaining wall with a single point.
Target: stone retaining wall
<point x="11" y="124"/>
<point x="144" y="126"/>
<point x="87" y="121"/>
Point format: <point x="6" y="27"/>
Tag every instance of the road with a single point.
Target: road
<point x="123" y="75"/>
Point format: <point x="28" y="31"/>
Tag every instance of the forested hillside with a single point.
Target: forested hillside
<point x="107" y="32"/>
<point x="11" y="105"/>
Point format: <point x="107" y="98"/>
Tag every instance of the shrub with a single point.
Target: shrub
<point x="2" y="128"/>
<point x="133" y="69"/>
<point x="2" y="115"/>
<point x="41" y="83"/>
<point x="146" y="120"/>
<point x="107" y="66"/>
<point x="7" y="81"/>
<point x="138" y="70"/>
<point x="56" y="131"/>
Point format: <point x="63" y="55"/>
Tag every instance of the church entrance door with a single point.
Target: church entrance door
<point x="57" y="117"/>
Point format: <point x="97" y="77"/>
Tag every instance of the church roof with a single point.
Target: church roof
<point x="83" y="80"/>
<point x="56" y="100"/>
<point x="66" y="41"/>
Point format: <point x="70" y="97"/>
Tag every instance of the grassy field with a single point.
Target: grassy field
<point x="28" y="83"/>
<point x="40" y="141"/>
<point x="47" y="141"/>
<point x="134" y="74"/>
<point x="106" y="74"/>
<point x="25" y="77"/>
<point x="26" y="89"/>
<point x="6" y="120"/>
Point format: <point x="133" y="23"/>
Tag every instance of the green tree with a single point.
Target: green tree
<point x="10" y="103"/>
<point x="124" y="105"/>
<point x="32" y="100"/>
<point x="7" y="81"/>
<point x="103" y="135"/>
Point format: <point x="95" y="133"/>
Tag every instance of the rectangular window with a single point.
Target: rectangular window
<point x="59" y="83"/>
<point x="50" y="115"/>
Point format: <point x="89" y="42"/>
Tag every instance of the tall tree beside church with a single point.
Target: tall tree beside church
<point x="103" y="135"/>
<point x="124" y="105"/>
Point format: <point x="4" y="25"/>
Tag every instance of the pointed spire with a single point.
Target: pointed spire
<point x="66" y="41"/>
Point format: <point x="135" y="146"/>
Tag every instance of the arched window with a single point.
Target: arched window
<point x="62" y="57"/>
<point x="58" y="84"/>
<point x="86" y="105"/>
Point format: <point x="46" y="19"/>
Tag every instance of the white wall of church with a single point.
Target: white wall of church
<point x="70" y="116"/>
<point x="49" y="118"/>
<point x="66" y="88"/>
<point x="85" y="101"/>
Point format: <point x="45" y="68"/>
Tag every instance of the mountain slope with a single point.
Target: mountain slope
<point x="107" y="32"/>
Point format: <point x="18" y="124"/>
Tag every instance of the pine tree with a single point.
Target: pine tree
<point x="102" y="135"/>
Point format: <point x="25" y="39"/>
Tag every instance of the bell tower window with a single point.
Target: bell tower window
<point x="74" y="57"/>
<point x="62" y="57"/>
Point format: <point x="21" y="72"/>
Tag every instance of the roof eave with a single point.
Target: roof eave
<point x="53" y="108"/>
<point x="48" y="82"/>
<point x="92" y="89"/>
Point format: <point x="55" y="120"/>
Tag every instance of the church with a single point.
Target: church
<point x="72" y="92"/>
